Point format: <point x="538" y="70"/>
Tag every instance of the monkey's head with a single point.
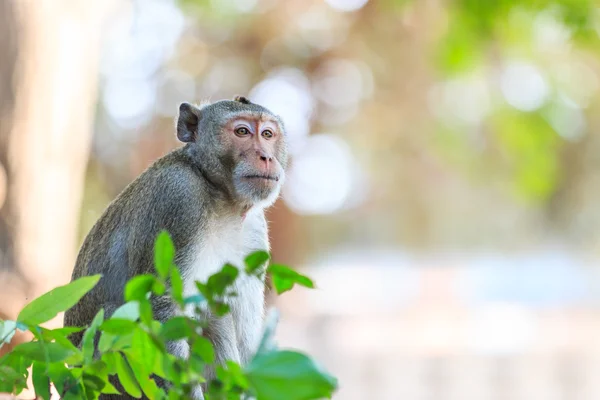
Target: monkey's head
<point x="240" y="144"/>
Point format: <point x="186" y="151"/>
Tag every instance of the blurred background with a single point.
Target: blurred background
<point x="444" y="189"/>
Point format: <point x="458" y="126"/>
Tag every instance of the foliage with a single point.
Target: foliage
<point x="480" y="38"/>
<point x="132" y="344"/>
<point x="473" y="24"/>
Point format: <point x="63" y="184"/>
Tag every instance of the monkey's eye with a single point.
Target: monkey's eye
<point x="242" y="131"/>
<point x="267" y="134"/>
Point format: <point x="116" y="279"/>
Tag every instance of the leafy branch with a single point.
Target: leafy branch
<point x="131" y="345"/>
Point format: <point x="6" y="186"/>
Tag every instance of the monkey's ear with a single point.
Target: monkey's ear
<point x="187" y="122"/>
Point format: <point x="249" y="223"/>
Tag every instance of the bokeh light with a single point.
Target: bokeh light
<point x="347" y="5"/>
<point x="287" y="93"/>
<point x="567" y="119"/>
<point x="129" y="102"/>
<point x="173" y="87"/>
<point x="140" y="41"/>
<point x="320" y="178"/>
<point x="320" y="30"/>
<point x="523" y="86"/>
<point x="462" y="101"/>
<point x="339" y="83"/>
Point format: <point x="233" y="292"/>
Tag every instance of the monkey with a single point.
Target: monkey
<point x="210" y="194"/>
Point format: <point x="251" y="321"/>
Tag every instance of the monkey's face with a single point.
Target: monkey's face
<point x="241" y="144"/>
<point x="257" y="152"/>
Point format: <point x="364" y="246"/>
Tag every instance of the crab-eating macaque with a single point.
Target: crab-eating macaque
<point x="210" y="195"/>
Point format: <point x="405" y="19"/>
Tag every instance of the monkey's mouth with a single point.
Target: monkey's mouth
<point x="266" y="177"/>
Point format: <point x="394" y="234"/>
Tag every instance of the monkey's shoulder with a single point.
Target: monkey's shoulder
<point x="168" y="195"/>
<point x="171" y="176"/>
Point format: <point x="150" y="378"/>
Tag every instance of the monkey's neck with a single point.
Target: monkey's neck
<point x="213" y="179"/>
<point x="221" y="192"/>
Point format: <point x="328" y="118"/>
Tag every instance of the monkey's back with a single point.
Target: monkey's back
<point x="120" y="244"/>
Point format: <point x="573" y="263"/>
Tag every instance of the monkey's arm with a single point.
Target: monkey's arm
<point x="221" y="333"/>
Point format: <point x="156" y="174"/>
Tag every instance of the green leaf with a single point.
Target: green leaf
<point x="93" y="382"/>
<point x="233" y="375"/>
<point x="158" y="342"/>
<point x="237" y="374"/>
<point x="63" y="377"/>
<point x="176" y="328"/>
<point x="95" y="378"/>
<point x="255" y="261"/>
<point x="74" y="392"/>
<point x="60" y="336"/>
<point x="110" y="359"/>
<point x="177" y="287"/>
<point x="159" y="288"/>
<point x="142" y="374"/>
<point x="11" y="380"/>
<point x="18" y="364"/>
<point x="49" y="334"/>
<point x="41" y="381"/>
<point x="138" y="287"/>
<point x="37" y="351"/>
<point x="89" y="335"/>
<point x="290" y="375"/>
<point x="172" y="369"/>
<point x="96" y="367"/>
<point x="108" y="341"/>
<point x="48" y="305"/>
<point x="143" y="350"/>
<point x="146" y="314"/>
<point x="230" y="383"/>
<point x="118" y="326"/>
<point x="217" y="283"/>
<point x="284" y="278"/>
<point x="220" y="308"/>
<point x="130" y="311"/>
<point x="110" y="389"/>
<point x="159" y="363"/>
<point x="126" y="377"/>
<point x="203" y="348"/>
<point x="164" y="254"/>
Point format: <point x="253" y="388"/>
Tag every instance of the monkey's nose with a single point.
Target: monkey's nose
<point x="264" y="157"/>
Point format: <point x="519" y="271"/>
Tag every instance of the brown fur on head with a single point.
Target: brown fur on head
<point x="242" y="99"/>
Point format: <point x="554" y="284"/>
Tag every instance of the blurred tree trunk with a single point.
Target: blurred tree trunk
<point x="48" y="84"/>
<point x="8" y="53"/>
<point x="10" y="283"/>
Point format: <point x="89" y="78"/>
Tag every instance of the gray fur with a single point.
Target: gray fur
<point x="194" y="193"/>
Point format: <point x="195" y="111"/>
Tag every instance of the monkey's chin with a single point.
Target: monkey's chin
<point x="258" y="192"/>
